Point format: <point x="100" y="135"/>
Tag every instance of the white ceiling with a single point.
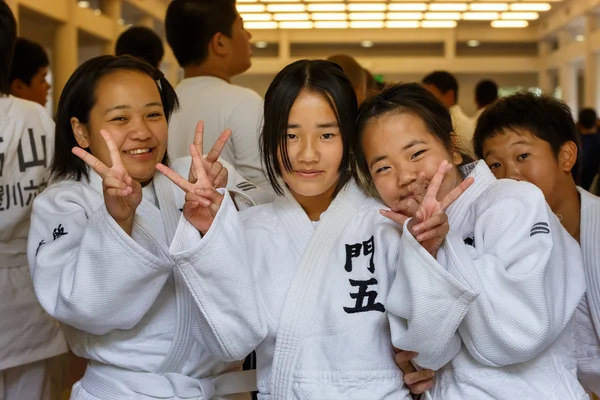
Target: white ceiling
<point x="373" y="14"/>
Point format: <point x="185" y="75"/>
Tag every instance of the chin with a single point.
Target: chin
<point x="311" y="190"/>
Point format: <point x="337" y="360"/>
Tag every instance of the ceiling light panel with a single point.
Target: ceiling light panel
<point x="342" y="14"/>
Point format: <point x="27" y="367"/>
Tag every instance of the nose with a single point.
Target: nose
<point x="140" y="131"/>
<point x="309" y="152"/>
<point x="513" y="172"/>
<point x="405" y="175"/>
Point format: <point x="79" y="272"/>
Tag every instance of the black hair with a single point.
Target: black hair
<point x="190" y="25"/>
<point x="79" y="97"/>
<point x="141" y="42"/>
<point x="404" y="98"/>
<point x="444" y="81"/>
<point x="8" y="35"/>
<point x="544" y="117"/>
<point x="320" y="77"/>
<point x="486" y="92"/>
<point x="588" y="118"/>
<point x="28" y="58"/>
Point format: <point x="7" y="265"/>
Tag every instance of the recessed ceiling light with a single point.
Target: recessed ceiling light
<point x="473" y="43"/>
<point x="579" y="38"/>
<point x="366" y="43"/>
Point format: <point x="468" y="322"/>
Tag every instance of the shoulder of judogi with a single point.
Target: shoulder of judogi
<point x="590" y="204"/>
<point x="259" y="217"/>
<point x="67" y="196"/>
<point x="508" y="193"/>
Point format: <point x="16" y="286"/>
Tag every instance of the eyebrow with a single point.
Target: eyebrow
<point x="376" y="160"/>
<point x="413" y="143"/>
<point x="125" y="106"/>
<point x="487" y="153"/>
<point x="325" y="125"/>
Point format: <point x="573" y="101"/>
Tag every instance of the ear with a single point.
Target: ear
<point x="457" y="158"/>
<point x="16" y="87"/>
<point x="81" y="133"/>
<point x="218" y="44"/>
<point x="450" y="98"/>
<point x="567" y="157"/>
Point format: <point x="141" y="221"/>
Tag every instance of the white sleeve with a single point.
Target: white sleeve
<point x="587" y="346"/>
<point x="87" y="272"/>
<point x="243" y="192"/>
<point x="530" y="274"/>
<point x="426" y="305"/>
<point x="245" y="123"/>
<point x="216" y="270"/>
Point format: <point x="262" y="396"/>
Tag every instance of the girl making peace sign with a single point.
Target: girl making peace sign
<point x="336" y="280"/>
<point x="104" y="248"/>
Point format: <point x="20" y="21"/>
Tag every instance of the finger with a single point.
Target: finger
<point x="112" y="182"/>
<point x="199" y="200"/>
<point x="404" y="357"/>
<point x="420" y="185"/>
<point x="199" y="136"/>
<point x="407" y="207"/>
<point x="211" y="194"/>
<point x="430" y="223"/>
<point x="421" y="387"/>
<point x="396" y="217"/>
<point x="436" y="181"/>
<point x="92" y="161"/>
<point x="198" y="164"/>
<point x="456" y="193"/>
<point x="119" y="192"/>
<point x="214" y="171"/>
<point x="221" y="179"/>
<point x="418" y="376"/>
<point x="438" y="232"/>
<point x="190" y="208"/>
<point x="113" y="150"/>
<point x="215" y="152"/>
<point x="175" y="177"/>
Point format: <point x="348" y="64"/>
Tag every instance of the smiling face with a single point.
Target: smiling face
<point x="128" y="105"/>
<point x="517" y="154"/>
<point x="397" y="148"/>
<point x="314" y="146"/>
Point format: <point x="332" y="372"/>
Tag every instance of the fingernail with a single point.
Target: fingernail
<point x="383" y="212"/>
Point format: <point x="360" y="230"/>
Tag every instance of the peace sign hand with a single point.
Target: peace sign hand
<point x="122" y="194"/>
<point x="202" y="201"/>
<point x="217" y="174"/>
<point x="430" y="225"/>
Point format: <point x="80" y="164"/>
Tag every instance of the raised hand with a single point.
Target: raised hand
<point x="215" y="171"/>
<point x="122" y="194"/>
<point x="408" y="207"/>
<point x="430" y="226"/>
<point x="430" y="222"/>
<point x="202" y="201"/>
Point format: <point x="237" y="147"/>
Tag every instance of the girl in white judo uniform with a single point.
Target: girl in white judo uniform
<point x="517" y="334"/>
<point x="103" y="250"/>
<point x="28" y="336"/>
<point x="534" y="139"/>
<point x="328" y="265"/>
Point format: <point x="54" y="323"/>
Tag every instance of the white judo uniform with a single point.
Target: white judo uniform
<point x="518" y="333"/>
<point x="152" y="324"/>
<point x="325" y="289"/>
<point x="28" y="335"/>
<point x="587" y="333"/>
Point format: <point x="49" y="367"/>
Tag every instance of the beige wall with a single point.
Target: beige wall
<point x="467" y="82"/>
